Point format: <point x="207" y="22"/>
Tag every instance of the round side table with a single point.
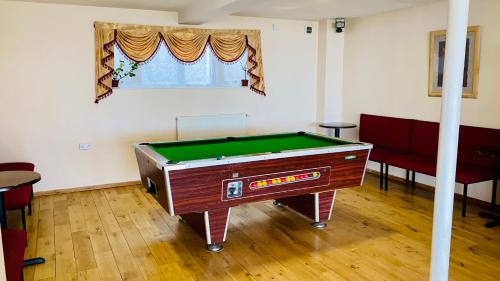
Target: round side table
<point x="336" y="126"/>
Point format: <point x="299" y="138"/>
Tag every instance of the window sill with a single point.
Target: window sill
<point x="179" y="88"/>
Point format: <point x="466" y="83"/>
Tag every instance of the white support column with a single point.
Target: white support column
<point x="458" y="11"/>
<point x="330" y="72"/>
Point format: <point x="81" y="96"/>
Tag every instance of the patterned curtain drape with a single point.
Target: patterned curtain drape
<point x="140" y="42"/>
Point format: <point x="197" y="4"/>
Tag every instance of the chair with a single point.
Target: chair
<point x="19" y="198"/>
<point x="13" y="250"/>
<point x="390" y="136"/>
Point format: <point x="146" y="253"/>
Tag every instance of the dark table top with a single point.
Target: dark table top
<point x="333" y="125"/>
<point x="15" y="179"/>
<point x="490" y="151"/>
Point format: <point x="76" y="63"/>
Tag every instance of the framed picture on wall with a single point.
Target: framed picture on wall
<point x="471" y="66"/>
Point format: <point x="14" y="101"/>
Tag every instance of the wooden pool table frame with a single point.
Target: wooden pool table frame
<point x="198" y="192"/>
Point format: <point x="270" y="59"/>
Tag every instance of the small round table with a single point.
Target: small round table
<point x="12" y="180"/>
<point x="493" y="153"/>
<point x="337" y="126"/>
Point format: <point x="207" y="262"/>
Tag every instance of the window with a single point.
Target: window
<point x="164" y="71"/>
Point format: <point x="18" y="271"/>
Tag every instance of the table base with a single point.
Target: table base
<point x="33" y="261"/>
<point x="495" y="219"/>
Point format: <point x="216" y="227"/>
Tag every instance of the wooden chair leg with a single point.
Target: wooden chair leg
<point x="386" y="184"/>
<point x="381" y="175"/>
<point x="464" y="201"/>
<point x="407" y="177"/>
<point x="494" y="194"/>
<point x="413" y="178"/>
<point x="23" y="218"/>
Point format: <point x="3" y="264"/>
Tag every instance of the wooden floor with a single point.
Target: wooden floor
<point x="123" y="234"/>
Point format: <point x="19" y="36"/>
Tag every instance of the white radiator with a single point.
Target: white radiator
<point x="211" y="126"/>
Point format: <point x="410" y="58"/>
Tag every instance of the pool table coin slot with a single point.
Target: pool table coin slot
<point x="350" y="157"/>
<point x="151" y="188"/>
<point x="234" y="189"/>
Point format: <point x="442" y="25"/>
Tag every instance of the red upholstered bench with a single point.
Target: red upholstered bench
<point x="14" y="241"/>
<point x="422" y="157"/>
<point x="471" y="167"/>
<point x="390" y="136"/>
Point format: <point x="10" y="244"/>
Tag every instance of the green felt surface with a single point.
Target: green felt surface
<point x="216" y="148"/>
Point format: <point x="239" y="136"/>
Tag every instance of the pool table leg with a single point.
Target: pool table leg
<point x="316" y="206"/>
<point x="277" y="203"/>
<point x="211" y="225"/>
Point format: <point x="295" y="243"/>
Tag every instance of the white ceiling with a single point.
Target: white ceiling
<point x="289" y="9"/>
<point x="162" y="5"/>
<point x="327" y="9"/>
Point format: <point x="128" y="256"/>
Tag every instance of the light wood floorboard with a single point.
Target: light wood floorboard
<point x="123" y="234"/>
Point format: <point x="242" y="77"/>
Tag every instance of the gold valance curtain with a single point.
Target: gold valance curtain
<point x="140" y="42"/>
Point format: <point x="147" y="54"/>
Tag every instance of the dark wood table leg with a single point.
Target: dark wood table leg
<point x="381" y="179"/>
<point x="3" y="213"/>
<point x="494" y="194"/>
<point x="386" y="183"/>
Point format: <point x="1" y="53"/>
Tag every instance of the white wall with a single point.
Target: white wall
<point x="47" y="92"/>
<point x="47" y="84"/>
<point x="386" y="67"/>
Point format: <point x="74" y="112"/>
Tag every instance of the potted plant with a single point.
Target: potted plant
<point x="120" y="72"/>
<point x="244" y="82"/>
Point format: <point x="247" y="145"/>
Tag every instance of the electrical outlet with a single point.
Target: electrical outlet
<point x="275" y="27"/>
<point x="84" y="146"/>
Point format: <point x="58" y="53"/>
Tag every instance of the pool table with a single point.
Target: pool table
<point x="201" y="180"/>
